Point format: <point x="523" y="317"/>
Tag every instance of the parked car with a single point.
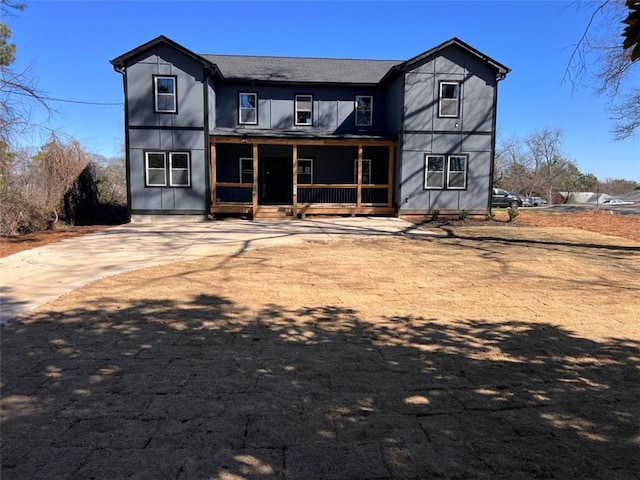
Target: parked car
<point x="502" y="198"/>
<point x="523" y="200"/>
<point x="616" y="201"/>
<point x="537" y="201"/>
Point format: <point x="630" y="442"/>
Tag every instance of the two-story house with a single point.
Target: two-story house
<point x="225" y="134"/>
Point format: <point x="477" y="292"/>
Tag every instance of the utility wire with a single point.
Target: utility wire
<point x="79" y="102"/>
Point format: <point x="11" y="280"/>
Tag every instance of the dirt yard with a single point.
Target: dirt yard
<point x="472" y="353"/>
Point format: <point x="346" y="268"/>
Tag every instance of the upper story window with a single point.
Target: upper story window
<point x="304" y="110"/>
<point x="364" y="110"/>
<point x="247" y="108"/>
<point x="449" y="103"/>
<point x="167" y="169"/>
<point x="165" y="94"/>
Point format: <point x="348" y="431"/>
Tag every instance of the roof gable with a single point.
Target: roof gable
<point x="119" y="62"/>
<point x="497" y="66"/>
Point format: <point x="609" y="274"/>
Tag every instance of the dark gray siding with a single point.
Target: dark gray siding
<point x="333" y="107"/>
<point x="424" y="132"/>
<point x="181" y="131"/>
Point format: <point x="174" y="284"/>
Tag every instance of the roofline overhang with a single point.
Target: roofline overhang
<point x="120" y="63"/>
<point x="501" y="70"/>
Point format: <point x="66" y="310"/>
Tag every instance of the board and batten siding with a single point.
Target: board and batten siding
<point x="424" y="132"/>
<point x="184" y="131"/>
<point x="333" y="107"/>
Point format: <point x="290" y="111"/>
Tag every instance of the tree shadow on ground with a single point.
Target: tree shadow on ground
<point x="214" y="389"/>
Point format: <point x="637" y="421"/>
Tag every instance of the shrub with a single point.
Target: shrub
<point x="435" y="213"/>
<point x="463" y="215"/>
<point x="513" y="213"/>
<point x="490" y="216"/>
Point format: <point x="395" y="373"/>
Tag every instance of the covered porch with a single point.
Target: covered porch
<point x="300" y="176"/>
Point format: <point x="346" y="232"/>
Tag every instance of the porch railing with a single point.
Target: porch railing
<point x="372" y="194"/>
<point x="230" y="192"/>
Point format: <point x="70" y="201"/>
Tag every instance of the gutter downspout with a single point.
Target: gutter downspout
<point x="120" y="68"/>
<point x="499" y="76"/>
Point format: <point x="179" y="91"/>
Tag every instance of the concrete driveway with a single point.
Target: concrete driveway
<point x="33" y="277"/>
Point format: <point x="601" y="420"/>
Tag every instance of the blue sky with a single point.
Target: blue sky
<point x="68" y="46"/>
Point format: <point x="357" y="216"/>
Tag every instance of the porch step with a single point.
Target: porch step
<point x="274" y="212"/>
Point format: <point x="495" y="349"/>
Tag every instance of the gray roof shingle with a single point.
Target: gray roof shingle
<point x="301" y="70"/>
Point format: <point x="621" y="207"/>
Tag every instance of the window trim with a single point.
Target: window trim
<point x="240" y="160"/>
<point x="446" y="171"/>
<point x="156" y="94"/>
<point x="426" y="171"/>
<point x="171" y="169"/>
<point x="147" y="169"/>
<point x="355" y="171"/>
<point x="355" y="111"/>
<point x="310" y="160"/>
<point x="466" y="169"/>
<point x="168" y="168"/>
<point x="457" y="99"/>
<point x="296" y="110"/>
<point x="240" y="122"/>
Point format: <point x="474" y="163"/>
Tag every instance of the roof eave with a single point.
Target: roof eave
<point x="253" y="81"/>
<point x="501" y="70"/>
<point x="119" y="63"/>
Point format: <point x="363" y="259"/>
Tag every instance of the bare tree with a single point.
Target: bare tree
<point x="18" y="91"/>
<point x="601" y="61"/>
<point x="59" y="165"/>
<point x="618" y="186"/>
<point x="536" y="165"/>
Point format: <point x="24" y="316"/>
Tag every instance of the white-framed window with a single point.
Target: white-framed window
<point x="434" y="171"/>
<point x="246" y="170"/>
<point x="304" y="110"/>
<point x="364" y="110"/>
<point x="164" y="88"/>
<point x="179" y="169"/>
<point x="366" y="170"/>
<point x="449" y="170"/>
<point x="449" y="99"/>
<point x="247" y="108"/>
<point x="155" y="164"/>
<point x="305" y="171"/>
<point x="457" y="172"/>
<point x="167" y="169"/>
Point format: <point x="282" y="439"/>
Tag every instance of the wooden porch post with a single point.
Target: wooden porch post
<point x="214" y="162"/>
<point x="390" y="176"/>
<point x="294" y="200"/>
<point x="359" y="195"/>
<point x="254" y="193"/>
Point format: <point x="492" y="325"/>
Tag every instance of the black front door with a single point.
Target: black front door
<point x="276" y="181"/>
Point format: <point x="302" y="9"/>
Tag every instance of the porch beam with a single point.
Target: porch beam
<point x="346" y="142"/>
<point x="213" y="175"/>
<point x="390" y="176"/>
<point x="359" y="194"/>
<point x="294" y="199"/>
<point x="254" y="193"/>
